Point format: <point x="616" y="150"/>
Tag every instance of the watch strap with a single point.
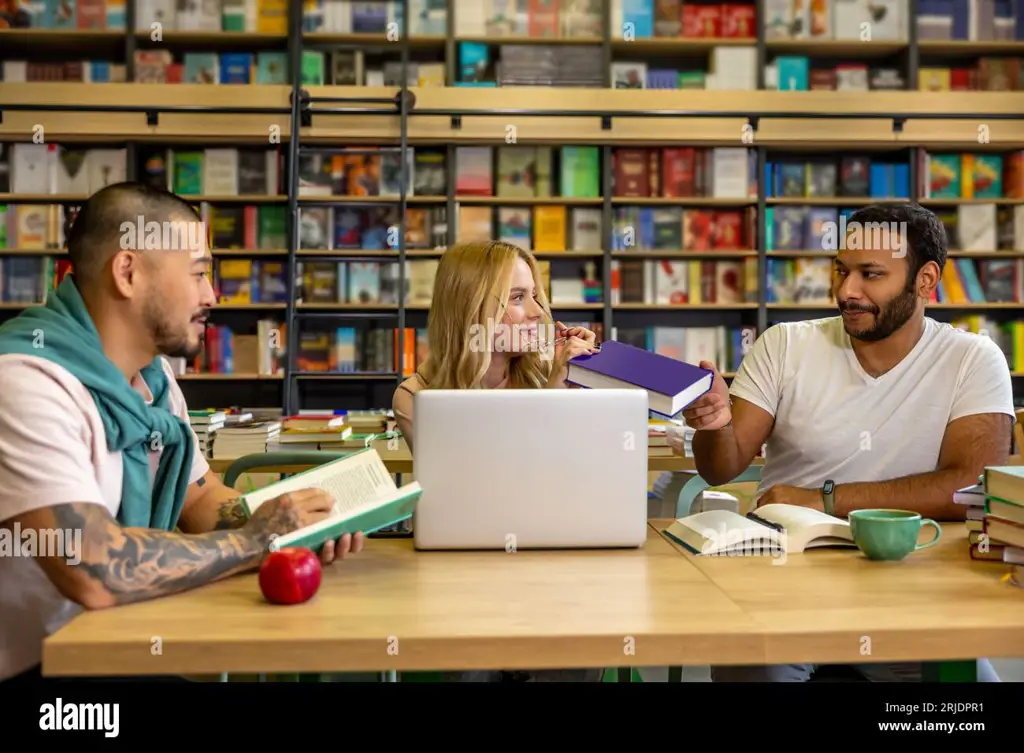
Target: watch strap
<point x="828" y="496"/>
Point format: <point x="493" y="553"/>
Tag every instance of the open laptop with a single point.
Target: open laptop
<point x="530" y="469"/>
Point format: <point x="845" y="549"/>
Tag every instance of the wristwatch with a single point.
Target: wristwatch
<point x="828" y="494"/>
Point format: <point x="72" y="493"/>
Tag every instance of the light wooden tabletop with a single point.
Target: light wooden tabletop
<point x="400" y="461"/>
<point x="393" y="608"/>
<point x="836" y="606"/>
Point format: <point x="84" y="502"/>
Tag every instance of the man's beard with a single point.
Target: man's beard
<point x="890" y="319"/>
<point x="173" y="342"/>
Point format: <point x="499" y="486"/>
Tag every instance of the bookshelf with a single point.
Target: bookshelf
<point x="415" y="110"/>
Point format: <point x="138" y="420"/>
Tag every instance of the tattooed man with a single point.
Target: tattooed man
<point x="105" y="498"/>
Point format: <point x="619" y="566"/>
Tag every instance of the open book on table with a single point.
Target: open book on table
<point x="772" y="530"/>
<point x="366" y="499"/>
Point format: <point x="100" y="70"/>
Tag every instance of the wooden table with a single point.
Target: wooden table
<point x="400" y="461"/>
<point x="832" y="606"/>
<point x="392" y="608"/>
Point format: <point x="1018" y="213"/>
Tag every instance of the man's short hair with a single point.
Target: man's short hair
<point x="95" y="235"/>
<point x="924" y="235"/>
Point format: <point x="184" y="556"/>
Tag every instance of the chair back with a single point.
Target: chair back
<point x="294" y="461"/>
<point x="693" y="487"/>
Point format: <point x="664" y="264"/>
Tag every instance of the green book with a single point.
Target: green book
<point x="581" y="172"/>
<point x="233" y="15"/>
<point x="1005" y="482"/>
<point x="188" y="173"/>
<point x="366" y="499"/>
<point x="312" y="68"/>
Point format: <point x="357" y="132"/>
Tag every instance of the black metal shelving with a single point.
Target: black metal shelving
<point x="301" y="116"/>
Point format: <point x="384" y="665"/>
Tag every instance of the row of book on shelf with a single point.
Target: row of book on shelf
<point x="663" y="282"/>
<point x="804" y="280"/>
<point x="375" y="350"/>
<point x="522" y="172"/>
<point x="268" y="67"/>
<point x="658" y="282"/>
<point x="943" y="175"/>
<point x="980" y="20"/>
<point x="981" y="228"/>
<point x="639" y="172"/>
<point x="802" y="73"/>
<point x="554" y="19"/>
<point x="548" y="228"/>
<point x="728" y="69"/>
<point x="39" y="227"/>
<point x="516" y="172"/>
<point x="936" y="20"/>
<point x="735" y="69"/>
<point x="43" y="227"/>
<point x="227" y="351"/>
<point x="49" y="168"/>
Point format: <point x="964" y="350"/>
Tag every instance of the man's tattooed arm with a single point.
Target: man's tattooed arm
<point x="116" y="565"/>
<point x="210" y="505"/>
<point x="230" y="515"/>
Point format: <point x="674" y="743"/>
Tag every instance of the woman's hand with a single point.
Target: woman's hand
<point x="569" y="343"/>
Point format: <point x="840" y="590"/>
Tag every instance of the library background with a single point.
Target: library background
<point x="671" y="164"/>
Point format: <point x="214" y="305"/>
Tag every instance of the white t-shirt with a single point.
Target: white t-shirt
<point x="834" y="421"/>
<point x="53" y="450"/>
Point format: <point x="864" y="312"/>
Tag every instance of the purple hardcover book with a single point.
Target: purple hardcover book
<point x="671" y="384"/>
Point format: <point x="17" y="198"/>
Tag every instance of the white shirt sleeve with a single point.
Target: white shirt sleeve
<point x="178" y="406"/>
<point x="984" y="383"/>
<point x="45" y="459"/>
<point x="759" y="379"/>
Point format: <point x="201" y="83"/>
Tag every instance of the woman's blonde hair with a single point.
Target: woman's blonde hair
<point x="471" y="289"/>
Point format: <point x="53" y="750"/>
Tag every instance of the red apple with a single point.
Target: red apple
<point x="290" y="576"/>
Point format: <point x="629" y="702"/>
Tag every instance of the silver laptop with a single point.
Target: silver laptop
<point x="530" y="469"/>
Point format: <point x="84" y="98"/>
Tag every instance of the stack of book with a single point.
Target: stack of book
<point x="309" y="431"/>
<point x="670" y="434"/>
<point x="204" y="424"/>
<point x="973" y="498"/>
<point x="245" y="439"/>
<point x="334" y="431"/>
<point x="1004" y="517"/>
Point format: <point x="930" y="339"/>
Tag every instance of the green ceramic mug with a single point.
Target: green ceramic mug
<point x="889" y="534"/>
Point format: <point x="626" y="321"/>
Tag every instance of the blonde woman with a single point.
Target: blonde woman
<point x="490" y="327"/>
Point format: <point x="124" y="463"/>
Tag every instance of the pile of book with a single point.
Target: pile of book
<point x="995" y="518"/>
<point x="671" y="433"/>
<point x="332" y="431"/>
<point x="205" y="424"/>
<point x="245" y="438"/>
<point x="311" y="431"/>
<point x="1004" y="516"/>
<point x="542" y="65"/>
<point x="973" y="498"/>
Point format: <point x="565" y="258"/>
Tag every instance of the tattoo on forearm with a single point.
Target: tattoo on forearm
<point x="136" y="564"/>
<point x="230" y="515"/>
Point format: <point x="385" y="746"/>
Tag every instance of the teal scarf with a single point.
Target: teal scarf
<point x="62" y="332"/>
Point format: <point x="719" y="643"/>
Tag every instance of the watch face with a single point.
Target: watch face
<point x="828" y="487"/>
